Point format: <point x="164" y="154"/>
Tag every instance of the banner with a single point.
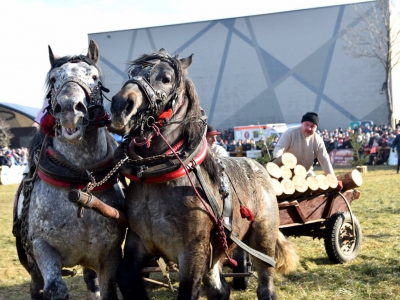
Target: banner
<point x="11" y="175"/>
<point x="341" y="157"/>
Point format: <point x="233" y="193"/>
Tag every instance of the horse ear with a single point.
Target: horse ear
<point x="93" y="52"/>
<point x="186" y="62"/>
<point x="52" y="57"/>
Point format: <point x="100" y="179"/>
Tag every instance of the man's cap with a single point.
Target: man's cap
<point x="311" y="117"/>
<point x="211" y="131"/>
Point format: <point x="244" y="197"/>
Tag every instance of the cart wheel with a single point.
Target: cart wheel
<point x="340" y="243"/>
<point x="244" y="266"/>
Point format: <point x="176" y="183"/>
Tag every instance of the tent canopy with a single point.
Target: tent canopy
<point x="18" y="115"/>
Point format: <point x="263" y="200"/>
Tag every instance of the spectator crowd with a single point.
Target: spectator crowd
<point x="373" y="139"/>
<point x="11" y="156"/>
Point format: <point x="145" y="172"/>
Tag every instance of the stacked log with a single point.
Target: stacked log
<point x="290" y="179"/>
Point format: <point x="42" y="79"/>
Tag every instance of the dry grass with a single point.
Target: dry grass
<point x="374" y="274"/>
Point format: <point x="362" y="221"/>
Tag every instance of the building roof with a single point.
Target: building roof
<point x="18" y="115"/>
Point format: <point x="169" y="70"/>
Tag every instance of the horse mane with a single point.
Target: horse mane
<point x="194" y="130"/>
<point x="35" y="144"/>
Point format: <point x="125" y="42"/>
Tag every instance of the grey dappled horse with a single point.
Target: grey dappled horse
<point x="167" y="217"/>
<point x="72" y="143"/>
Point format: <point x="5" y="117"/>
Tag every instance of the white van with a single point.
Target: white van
<point x="255" y="132"/>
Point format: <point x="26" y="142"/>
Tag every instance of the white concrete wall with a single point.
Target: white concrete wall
<point x="263" y="69"/>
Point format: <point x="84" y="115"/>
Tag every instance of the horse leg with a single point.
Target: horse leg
<point x="107" y="276"/>
<point x="192" y="263"/>
<point x="215" y="284"/>
<point x="129" y="277"/>
<point x="262" y="237"/>
<point x="49" y="262"/>
<point x="37" y="283"/>
<point x="92" y="284"/>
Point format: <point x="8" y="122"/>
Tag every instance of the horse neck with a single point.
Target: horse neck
<point x="90" y="149"/>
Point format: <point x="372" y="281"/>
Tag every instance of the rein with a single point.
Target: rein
<point x="217" y="222"/>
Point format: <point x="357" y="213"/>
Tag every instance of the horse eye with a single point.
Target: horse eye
<point x="166" y="80"/>
<point x="53" y="80"/>
<point x="94" y="77"/>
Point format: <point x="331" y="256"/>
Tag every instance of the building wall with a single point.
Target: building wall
<point x="395" y="86"/>
<point x="263" y="69"/>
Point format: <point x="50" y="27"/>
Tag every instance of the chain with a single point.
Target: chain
<point x="91" y="185"/>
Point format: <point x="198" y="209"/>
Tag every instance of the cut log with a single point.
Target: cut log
<point x="322" y="185"/>
<point x="288" y="188"/>
<point x="276" y="185"/>
<point x="350" y="180"/>
<point x="300" y="171"/>
<point x="332" y="182"/>
<point x="313" y="186"/>
<point x="287" y="159"/>
<point x="362" y="169"/>
<point x="286" y="172"/>
<point x="274" y="170"/>
<point x="300" y="185"/>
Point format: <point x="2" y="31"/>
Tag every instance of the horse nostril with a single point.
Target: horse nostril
<point x="80" y="107"/>
<point x="129" y="106"/>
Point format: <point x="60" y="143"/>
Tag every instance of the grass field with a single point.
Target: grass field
<point x="374" y="274"/>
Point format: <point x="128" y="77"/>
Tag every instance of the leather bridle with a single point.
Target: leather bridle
<point x="96" y="110"/>
<point x="157" y="99"/>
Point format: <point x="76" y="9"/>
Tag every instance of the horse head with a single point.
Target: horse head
<point x="74" y="92"/>
<point x="157" y="85"/>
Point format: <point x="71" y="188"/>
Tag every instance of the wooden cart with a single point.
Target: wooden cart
<point x="326" y="216"/>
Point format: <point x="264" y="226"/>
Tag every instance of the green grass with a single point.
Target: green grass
<point x="374" y="274"/>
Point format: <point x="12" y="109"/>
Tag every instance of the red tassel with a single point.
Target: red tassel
<point x="246" y="213"/>
<point x="47" y="124"/>
<point x="165" y="115"/>
<point x="232" y="262"/>
<point x="103" y="120"/>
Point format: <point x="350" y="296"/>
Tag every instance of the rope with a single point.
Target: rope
<point x="27" y="190"/>
<point x="218" y="223"/>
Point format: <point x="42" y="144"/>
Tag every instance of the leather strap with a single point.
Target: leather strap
<point x="217" y="212"/>
<point x="261" y="256"/>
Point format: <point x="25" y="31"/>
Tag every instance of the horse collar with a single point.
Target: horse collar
<point x="167" y="171"/>
<point x="56" y="170"/>
<point x="164" y="167"/>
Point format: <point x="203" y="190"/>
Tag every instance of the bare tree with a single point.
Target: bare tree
<point x="377" y="36"/>
<point x="5" y="134"/>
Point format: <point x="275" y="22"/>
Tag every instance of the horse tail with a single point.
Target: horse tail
<point x="286" y="257"/>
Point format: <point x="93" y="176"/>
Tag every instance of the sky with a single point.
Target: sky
<point x="27" y="27"/>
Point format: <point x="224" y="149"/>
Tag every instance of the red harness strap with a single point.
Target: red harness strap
<point x="67" y="184"/>
<point x="175" y="174"/>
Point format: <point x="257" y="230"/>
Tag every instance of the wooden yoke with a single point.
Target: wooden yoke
<point x="82" y="199"/>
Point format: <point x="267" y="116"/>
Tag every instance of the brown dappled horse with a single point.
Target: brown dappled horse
<point x="179" y="213"/>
